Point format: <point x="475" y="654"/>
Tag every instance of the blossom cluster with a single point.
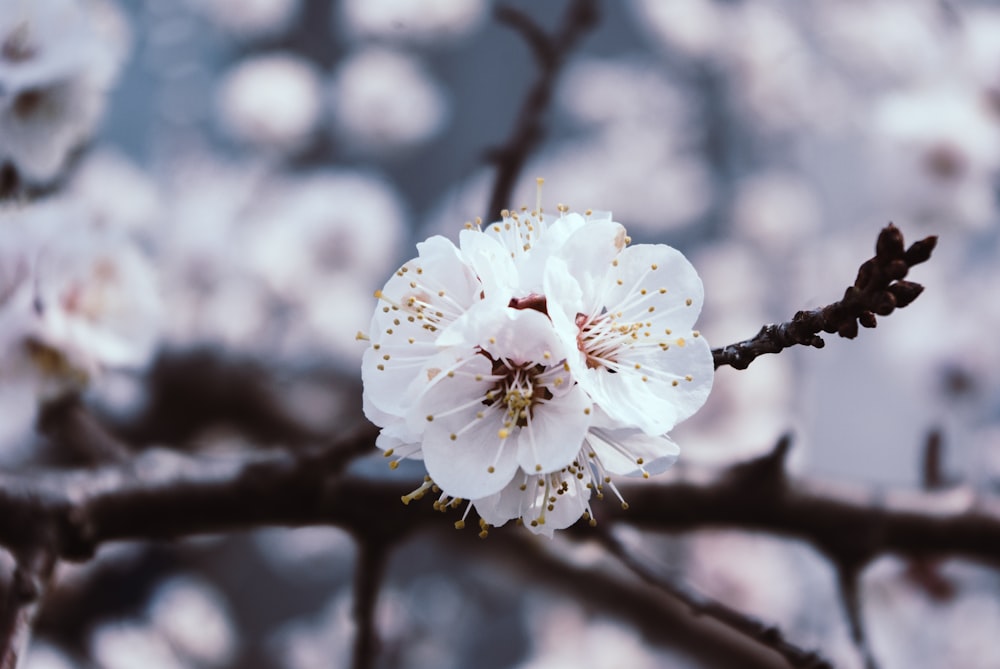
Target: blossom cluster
<point x="533" y="361"/>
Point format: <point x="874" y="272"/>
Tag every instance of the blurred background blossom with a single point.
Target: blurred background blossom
<point x="261" y="166"/>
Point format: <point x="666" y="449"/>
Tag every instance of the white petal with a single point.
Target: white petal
<point x="521" y="336"/>
<point x="677" y="383"/>
<point x="632" y="453"/>
<point x="677" y="308"/>
<point x="475" y="464"/>
<point x="530" y="496"/>
<point x="554" y="433"/>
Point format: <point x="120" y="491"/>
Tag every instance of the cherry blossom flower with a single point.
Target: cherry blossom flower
<point x="631" y="327"/>
<point x="57" y="61"/>
<point x="533" y="362"/>
<point x="72" y="305"/>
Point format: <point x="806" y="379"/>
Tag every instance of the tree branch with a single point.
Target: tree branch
<point x="20" y="592"/>
<point x="367" y="580"/>
<point x="766" y="635"/>
<point x="162" y="495"/>
<point x="550" y="53"/>
<point x="879" y="289"/>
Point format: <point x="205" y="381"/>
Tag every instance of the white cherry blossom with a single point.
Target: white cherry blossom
<point x="508" y="402"/>
<point x="631" y="329"/>
<point x="533" y="363"/>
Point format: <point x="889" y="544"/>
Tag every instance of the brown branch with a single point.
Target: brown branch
<point x="762" y="633"/>
<point x="20" y="594"/>
<point x="163" y="495"/>
<point x="659" y="619"/>
<point x="850" y="598"/>
<point x="78" y="434"/>
<point x="850" y="527"/>
<point x="367" y="580"/>
<point x="550" y="53"/>
<point x="879" y="289"/>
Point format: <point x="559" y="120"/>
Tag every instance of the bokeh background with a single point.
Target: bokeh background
<point x="277" y="159"/>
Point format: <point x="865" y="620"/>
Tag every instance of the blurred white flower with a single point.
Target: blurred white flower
<point x="73" y="301"/>
<point x="695" y="28"/>
<point x="250" y="18"/>
<point x="272" y="101"/>
<point x="564" y="637"/>
<point x="194" y="618"/>
<point x="635" y="170"/>
<point x="385" y="100"/>
<point x="775" y="210"/>
<point x="213" y="295"/>
<point x="126" y="645"/>
<point x="42" y="655"/>
<point x="118" y="194"/>
<point x="306" y="232"/>
<point x="936" y="150"/>
<point x="868" y="36"/>
<point x="58" y="58"/>
<point x="527" y="365"/>
<point x="426" y="22"/>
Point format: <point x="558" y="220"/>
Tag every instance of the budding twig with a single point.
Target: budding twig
<point x="879" y="290"/>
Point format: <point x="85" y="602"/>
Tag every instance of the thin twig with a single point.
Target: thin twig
<point x="662" y="621"/>
<point x="879" y="289"/>
<point x="550" y="53"/>
<point x="769" y="636"/>
<point x="848" y="587"/>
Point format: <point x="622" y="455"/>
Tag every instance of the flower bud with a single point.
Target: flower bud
<point x="920" y="251"/>
<point x="889" y="245"/>
<point x="905" y="292"/>
<point x="885" y="303"/>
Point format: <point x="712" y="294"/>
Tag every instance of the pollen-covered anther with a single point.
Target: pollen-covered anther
<point x="419" y="492"/>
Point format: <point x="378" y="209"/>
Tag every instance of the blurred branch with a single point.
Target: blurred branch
<point x="79" y="434"/>
<point x="21" y="590"/>
<point x="162" y="494"/>
<point x="195" y="389"/>
<point x="847" y="582"/>
<point x="550" y="52"/>
<point x="766" y="635"/>
<point x="850" y="527"/>
<point x="879" y="289"/>
<point x="661" y="620"/>
<point x="367" y="580"/>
